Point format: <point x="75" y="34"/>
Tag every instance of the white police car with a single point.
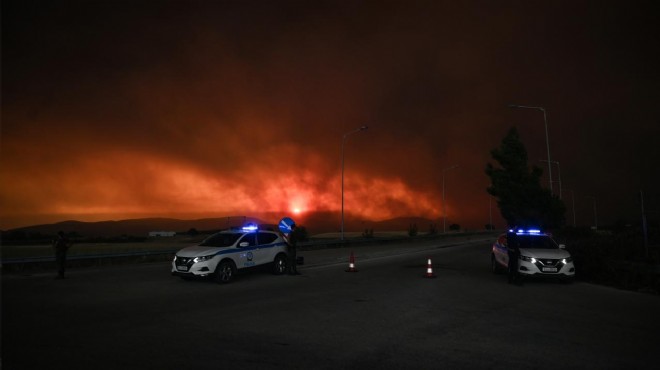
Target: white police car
<point x="539" y="255"/>
<point x="222" y="254"/>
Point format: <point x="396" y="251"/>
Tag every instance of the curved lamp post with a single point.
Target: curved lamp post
<point x="547" y="139"/>
<point x="558" y="176"/>
<point x="343" y="140"/>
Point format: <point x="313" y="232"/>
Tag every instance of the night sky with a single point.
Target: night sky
<point x="190" y="109"/>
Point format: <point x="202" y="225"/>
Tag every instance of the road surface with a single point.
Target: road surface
<point x="385" y="316"/>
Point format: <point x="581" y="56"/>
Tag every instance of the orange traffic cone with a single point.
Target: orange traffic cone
<point x="351" y="264"/>
<point x="429" y="270"/>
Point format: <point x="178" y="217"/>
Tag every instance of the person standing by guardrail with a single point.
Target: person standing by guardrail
<point x="61" y="245"/>
<point x="292" y="241"/>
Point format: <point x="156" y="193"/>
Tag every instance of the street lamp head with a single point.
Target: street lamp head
<point x="526" y="107"/>
<point x="361" y="128"/>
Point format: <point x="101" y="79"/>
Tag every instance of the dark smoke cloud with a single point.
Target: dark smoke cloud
<point x="119" y="108"/>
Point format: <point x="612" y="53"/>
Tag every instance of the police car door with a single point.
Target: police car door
<point x="267" y="248"/>
<point x="247" y="248"/>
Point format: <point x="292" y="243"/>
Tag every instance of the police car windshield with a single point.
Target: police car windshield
<point x="535" y="242"/>
<point x="221" y="240"/>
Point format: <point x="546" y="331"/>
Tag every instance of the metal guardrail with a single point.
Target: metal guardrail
<point x="310" y="245"/>
<point x="12" y="261"/>
<point x="47" y="259"/>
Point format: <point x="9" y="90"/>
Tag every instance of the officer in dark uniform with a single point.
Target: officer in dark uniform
<point x="293" y="259"/>
<point x="513" y="250"/>
<point x="61" y="245"/>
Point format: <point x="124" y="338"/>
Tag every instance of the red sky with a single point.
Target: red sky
<point x="115" y="110"/>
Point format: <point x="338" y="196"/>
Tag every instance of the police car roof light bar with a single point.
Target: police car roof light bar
<point x="526" y="232"/>
<point x="250" y="227"/>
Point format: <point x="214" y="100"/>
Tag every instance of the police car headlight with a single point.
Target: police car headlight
<point x="203" y="258"/>
<point x="528" y="259"/>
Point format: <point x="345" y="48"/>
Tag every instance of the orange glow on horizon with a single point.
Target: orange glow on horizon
<point x="120" y="184"/>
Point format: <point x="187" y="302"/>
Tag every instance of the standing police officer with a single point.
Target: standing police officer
<point x="513" y="250"/>
<point x="293" y="259"/>
<point x="61" y="245"/>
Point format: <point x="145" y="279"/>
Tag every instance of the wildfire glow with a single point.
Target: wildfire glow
<point x="121" y="184"/>
<point x="216" y="125"/>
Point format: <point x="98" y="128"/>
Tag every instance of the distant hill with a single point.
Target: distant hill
<point x="314" y="223"/>
<point x="134" y="227"/>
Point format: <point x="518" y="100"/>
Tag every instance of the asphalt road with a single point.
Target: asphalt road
<point x="386" y="316"/>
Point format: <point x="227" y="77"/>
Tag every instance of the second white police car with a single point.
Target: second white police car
<point x="539" y="255"/>
<point x="222" y="254"/>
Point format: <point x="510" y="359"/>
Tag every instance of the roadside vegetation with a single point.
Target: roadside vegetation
<point x="617" y="256"/>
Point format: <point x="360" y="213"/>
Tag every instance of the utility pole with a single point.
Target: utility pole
<point x="644" y="226"/>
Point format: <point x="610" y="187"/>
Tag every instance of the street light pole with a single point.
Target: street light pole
<point x="343" y="140"/>
<point x="644" y="225"/>
<point x="444" y="214"/>
<point x="490" y="213"/>
<point x="559" y="174"/>
<point x="547" y="139"/>
<point x="595" y="213"/>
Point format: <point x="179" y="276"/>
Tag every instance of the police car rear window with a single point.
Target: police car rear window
<point x="250" y="239"/>
<point x="266" y="238"/>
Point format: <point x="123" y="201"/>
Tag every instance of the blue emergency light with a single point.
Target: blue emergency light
<point x="526" y="232"/>
<point x="250" y="227"/>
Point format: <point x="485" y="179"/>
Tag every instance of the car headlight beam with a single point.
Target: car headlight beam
<point x="203" y="258"/>
<point x="528" y="259"/>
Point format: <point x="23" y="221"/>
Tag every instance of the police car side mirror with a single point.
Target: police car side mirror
<point x="562" y="246"/>
<point x="244" y="244"/>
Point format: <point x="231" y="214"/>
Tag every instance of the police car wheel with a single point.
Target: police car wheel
<point x="279" y="265"/>
<point x="224" y="273"/>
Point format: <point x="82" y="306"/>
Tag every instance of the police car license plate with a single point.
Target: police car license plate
<point x="549" y="269"/>
<point x="182" y="268"/>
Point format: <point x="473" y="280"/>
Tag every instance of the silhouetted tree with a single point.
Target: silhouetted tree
<point x="520" y="197"/>
<point x="454" y="227"/>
